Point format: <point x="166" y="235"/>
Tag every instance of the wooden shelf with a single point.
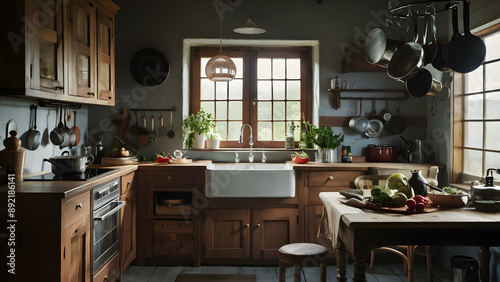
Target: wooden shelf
<point x="337" y="97"/>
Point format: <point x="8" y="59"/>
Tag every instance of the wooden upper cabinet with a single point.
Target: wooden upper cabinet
<point x="105" y="56"/>
<point x="59" y="50"/>
<point x="48" y="59"/>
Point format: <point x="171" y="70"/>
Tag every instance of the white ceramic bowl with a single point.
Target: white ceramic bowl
<point x="451" y="201"/>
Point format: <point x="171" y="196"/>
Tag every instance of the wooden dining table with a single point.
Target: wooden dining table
<point x="358" y="231"/>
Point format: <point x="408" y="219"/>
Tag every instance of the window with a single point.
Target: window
<point x="270" y="92"/>
<point x="479" y="97"/>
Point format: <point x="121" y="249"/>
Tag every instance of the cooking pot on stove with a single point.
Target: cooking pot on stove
<point x="487" y="197"/>
<point x="382" y="153"/>
<point x="65" y="165"/>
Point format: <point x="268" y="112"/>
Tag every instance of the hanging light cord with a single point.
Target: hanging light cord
<point x="220" y="26"/>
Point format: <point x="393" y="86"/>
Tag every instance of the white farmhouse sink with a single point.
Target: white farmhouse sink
<point x="248" y="180"/>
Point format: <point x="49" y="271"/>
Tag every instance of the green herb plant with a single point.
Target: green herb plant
<point x="200" y="123"/>
<point x="325" y="138"/>
<point x="308" y="135"/>
<point x="212" y="134"/>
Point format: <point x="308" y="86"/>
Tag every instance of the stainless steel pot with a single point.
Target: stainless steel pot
<point x="360" y="123"/>
<point x="69" y="165"/>
<point x="379" y="48"/>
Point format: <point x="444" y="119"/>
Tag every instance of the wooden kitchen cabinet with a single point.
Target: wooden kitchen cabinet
<point x="128" y="245"/>
<point x="76" y="239"/>
<point x="168" y="225"/>
<point x="59" y="50"/>
<point x="248" y="233"/>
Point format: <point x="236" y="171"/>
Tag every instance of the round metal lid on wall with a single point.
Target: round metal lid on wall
<point x="149" y="67"/>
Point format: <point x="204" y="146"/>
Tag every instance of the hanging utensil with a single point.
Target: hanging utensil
<point x="136" y="128"/>
<point x="56" y="135"/>
<point x="466" y="53"/>
<point x="171" y="133"/>
<point x="429" y="43"/>
<point x="75" y="130"/>
<point x="359" y="123"/>
<point x="385" y="114"/>
<point x="439" y="61"/>
<point x="408" y="59"/>
<point x="153" y="135"/>
<point x="379" y="49"/>
<point x="445" y="92"/>
<point x="397" y="124"/>
<point x="34" y="137"/>
<point x="162" y="130"/>
<point x="143" y="138"/>
<point x="423" y="84"/>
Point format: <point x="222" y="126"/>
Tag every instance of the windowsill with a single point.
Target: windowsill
<point x="253" y="149"/>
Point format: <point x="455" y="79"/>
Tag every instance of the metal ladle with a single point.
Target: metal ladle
<point x="171" y="133"/>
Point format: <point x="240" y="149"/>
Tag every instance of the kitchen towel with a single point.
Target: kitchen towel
<point x="333" y="210"/>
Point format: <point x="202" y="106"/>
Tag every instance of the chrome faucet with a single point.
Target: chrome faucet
<point x="250" y="157"/>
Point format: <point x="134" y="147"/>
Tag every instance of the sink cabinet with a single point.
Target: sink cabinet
<point x="59" y="50"/>
<point x="248" y="233"/>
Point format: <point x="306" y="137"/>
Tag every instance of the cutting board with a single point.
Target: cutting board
<point x="181" y="161"/>
<point x="430" y="208"/>
<point x="118" y="161"/>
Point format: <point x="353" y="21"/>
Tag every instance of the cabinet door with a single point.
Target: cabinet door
<point x="47" y="69"/>
<point x="76" y="251"/>
<point x="227" y="233"/>
<point x="105" y="56"/>
<point x="128" y="229"/>
<point x="271" y="229"/>
<point x="82" y="59"/>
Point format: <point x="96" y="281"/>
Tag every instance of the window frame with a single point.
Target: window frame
<point x="457" y="162"/>
<point x="250" y="54"/>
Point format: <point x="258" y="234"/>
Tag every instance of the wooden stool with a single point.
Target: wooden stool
<point x="299" y="254"/>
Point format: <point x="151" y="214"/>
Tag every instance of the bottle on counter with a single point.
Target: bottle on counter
<point x="349" y="154"/>
<point x="344" y="154"/>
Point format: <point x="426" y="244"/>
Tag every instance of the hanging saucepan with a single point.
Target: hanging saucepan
<point x="359" y="123"/>
<point x="379" y="48"/>
<point x="376" y="128"/>
<point x="408" y="59"/>
<point x="396" y="124"/>
<point x="439" y="61"/>
<point x="465" y="53"/>
<point x="34" y="137"/>
<point x="423" y="84"/>
<point x="430" y="44"/>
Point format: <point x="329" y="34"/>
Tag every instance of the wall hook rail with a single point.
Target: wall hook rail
<point x="337" y="97"/>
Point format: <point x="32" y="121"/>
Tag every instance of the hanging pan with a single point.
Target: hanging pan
<point x="465" y="53"/>
<point x="423" y="84"/>
<point x="397" y="124"/>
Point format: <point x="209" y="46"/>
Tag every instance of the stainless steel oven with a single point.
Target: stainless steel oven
<point x="106" y="222"/>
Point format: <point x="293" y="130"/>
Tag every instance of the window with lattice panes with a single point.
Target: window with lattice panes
<point x="481" y="116"/>
<point x="270" y="92"/>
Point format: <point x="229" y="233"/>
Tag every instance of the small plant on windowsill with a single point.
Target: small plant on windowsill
<point x="213" y="139"/>
<point x="194" y="128"/>
<point x="308" y="135"/>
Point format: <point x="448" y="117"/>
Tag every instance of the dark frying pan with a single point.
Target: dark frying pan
<point x="439" y="61"/>
<point x="397" y="124"/>
<point x="467" y="52"/>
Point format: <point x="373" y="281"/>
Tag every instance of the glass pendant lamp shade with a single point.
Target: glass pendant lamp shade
<point x="220" y="68"/>
<point x="249" y="27"/>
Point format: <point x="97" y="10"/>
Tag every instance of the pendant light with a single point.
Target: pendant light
<point x="220" y="67"/>
<point x="249" y="27"/>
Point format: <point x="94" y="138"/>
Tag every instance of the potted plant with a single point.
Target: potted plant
<point x="327" y="143"/>
<point x="194" y="128"/>
<point x="307" y="136"/>
<point x="213" y="139"/>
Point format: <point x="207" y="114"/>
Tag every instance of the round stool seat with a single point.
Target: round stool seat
<point x="302" y="249"/>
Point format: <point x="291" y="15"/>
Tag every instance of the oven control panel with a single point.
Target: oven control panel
<point x="105" y="192"/>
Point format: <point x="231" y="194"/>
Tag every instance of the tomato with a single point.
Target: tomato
<point x="163" y="159"/>
<point x="420" y="206"/>
<point x="411" y="204"/>
<point x="418" y="198"/>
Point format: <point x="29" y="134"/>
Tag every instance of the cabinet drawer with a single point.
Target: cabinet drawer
<point x="165" y="178"/>
<point x="76" y="207"/>
<point x="110" y="272"/>
<point x="334" y="178"/>
<point x="175" y="226"/>
<point x="127" y="183"/>
<point x="174" y="245"/>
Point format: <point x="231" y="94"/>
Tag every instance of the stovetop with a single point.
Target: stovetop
<point x="88" y="174"/>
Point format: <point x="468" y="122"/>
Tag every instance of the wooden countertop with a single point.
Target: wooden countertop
<point x="362" y="166"/>
<point x="65" y="189"/>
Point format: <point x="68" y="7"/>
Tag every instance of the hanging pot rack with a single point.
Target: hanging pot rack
<point x="153" y="110"/>
<point x="337" y="97"/>
<point x="440" y="6"/>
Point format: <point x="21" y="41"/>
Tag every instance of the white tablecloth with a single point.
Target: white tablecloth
<point x="333" y="210"/>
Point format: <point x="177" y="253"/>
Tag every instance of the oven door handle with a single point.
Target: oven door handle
<point x="115" y="210"/>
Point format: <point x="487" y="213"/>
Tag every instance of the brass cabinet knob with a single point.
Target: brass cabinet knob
<point x="170" y="177"/>
<point x="78" y="206"/>
<point x="164" y="226"/>
<point x="246" y="226"/>
<point x="258" y="225"/>
<point x="330" y="177"/>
